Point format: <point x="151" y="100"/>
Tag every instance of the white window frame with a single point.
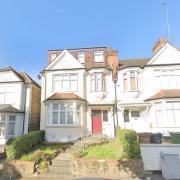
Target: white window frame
<point x="13" y="122"/>
<point x="61" y="78"/>
<point x="128" y="76"/>
<point x="3" y="121"/>
<point x="95" y="86"/>
<point x="81" y="57"/>
<point x="75" y="110"/>
<point x="99" y="56"/>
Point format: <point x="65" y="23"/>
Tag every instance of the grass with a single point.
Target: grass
<point x="111" y="150"/>
<point x="42" y="151"/>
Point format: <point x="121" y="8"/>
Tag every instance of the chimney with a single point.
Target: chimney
<point x="112" y="62"/>
<point x="159" y="44"/>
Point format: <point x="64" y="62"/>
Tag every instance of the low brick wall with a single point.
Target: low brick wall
<point x="18" y="168"/>
<point x="107" y="168"/>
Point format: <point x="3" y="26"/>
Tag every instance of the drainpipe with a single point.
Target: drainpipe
<point x="25" y="86"/>
<point x="115" y="108"/>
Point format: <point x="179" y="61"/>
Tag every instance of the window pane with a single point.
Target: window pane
<point x="70" y="117"/>
<point x="62" y="117"/>
<point x="98" y="56"/>
<point x="81" y="56"/>
<point x="73" y="85"/>
<point x="134" y="113"/>
<point x="105" y="116"/>
<point x="126" y="115"/>
<point x="12" y="118"/>
<point x="55" y="106"/>
<point x="11" y="128"/>
<point x="125" y="84"/>
<point x="55" y="117"/>
<point x="2" y="127"/>
<point x="63" y="106"/>
<point x="133" y="83"/>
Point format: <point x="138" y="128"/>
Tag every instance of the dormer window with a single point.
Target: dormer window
<point x="81" y="57"/>
<point x="53" y="56"/>
<point x="130" y="81"/>
<point x="98" y="56"/>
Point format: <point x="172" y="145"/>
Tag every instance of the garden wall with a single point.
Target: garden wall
<point x="107" y="168"/>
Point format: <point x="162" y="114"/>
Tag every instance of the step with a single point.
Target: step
<point x="62" y="171"/>
<point x="61" y="163"/>
<point x="49" y="175"/>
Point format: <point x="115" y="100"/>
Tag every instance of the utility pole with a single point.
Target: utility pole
<point x="165" y="4"/>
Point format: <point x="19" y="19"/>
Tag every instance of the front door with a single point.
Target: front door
<point x="96" y="122"/>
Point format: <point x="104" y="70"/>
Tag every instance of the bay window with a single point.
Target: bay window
<point x="97" y="82"/>
<point x="130" y="81"/>
<point x="64" y="82"/>
<point x="63" y="113"/>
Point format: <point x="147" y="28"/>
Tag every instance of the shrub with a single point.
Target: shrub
<point x="23" y="144"/>
<point x="43" y="166"/>
<point x="130" y="144"/>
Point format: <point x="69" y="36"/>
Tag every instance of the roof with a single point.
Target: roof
<point x="167" y="93"/>
<point x="140" y="62"/>
<point x="7" y="108"/>
<point x="24" y="77"/>
<point x="65" y="96"/>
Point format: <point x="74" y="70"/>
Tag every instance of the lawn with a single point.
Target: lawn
<point x="111" y="150"/>
<point x="42" y="152"/>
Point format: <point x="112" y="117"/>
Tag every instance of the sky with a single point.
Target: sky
<point x="29" y="28"/>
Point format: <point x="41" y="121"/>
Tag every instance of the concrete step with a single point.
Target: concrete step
<point x="56" y="162"/>
<point x="58" y="170"/>
<point x="49" y="175"/>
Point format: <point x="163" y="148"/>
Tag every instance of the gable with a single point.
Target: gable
<point x="166" y="55"/>
<point x="65" y="61"/>
<point x="8" y="76"/>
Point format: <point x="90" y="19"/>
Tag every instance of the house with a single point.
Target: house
<point x="77" y="96"/>
<point x="19" y="104"/>
<point x="148" y="97"/>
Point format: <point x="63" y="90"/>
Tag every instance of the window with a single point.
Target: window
<point x="105" y="116"/>
<point x="64" y="114"/>
<point x="134" y="113"/>
<point x="53" y="56"/>
<point x="64" y="82"/>
<point x="130" y="81"/>
<point x="159" y="113"/>
<point x="7" y="95"/>
<point x="98" y="56"/>
<point x="81" y="57"/>
<point x="125" y="80"/>
<point x="2" y="126"/>
<point x="126" y="115"/>
<point x="11" y="125"/>
<point x="98" y="82"/>
<point x="173" y="113"/>
<point x="168" y="79"/>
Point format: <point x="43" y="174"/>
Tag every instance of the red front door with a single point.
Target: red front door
<point x="96" y="122"/>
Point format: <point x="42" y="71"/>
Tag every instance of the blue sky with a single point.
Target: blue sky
<point x="28" y="28"/>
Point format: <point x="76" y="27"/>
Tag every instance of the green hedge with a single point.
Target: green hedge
<point x="16" y="147"/>
<point x="130" y="144"/>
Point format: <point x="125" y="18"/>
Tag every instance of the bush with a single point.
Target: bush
<point x="130" y="144"/>
<point x="23" y="144"/>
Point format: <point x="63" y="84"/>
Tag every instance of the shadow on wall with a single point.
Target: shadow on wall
<point x="8" y="171"/>
<point x="133" y="168"/>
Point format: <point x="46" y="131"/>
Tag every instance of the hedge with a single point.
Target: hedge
<point x="16" y="147"/>
<point x="130" y="144"/>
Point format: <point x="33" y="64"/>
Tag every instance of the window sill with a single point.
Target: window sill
<point x="129" y="91"/>
<point x="63" y="126"/>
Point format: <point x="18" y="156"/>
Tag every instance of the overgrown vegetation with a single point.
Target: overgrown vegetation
<point x="129" y="142"/>
<point x="16" y="147"/>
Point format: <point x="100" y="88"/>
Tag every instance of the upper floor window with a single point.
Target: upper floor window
<point x="98" y="82"/>
<point x="65" y="82"/>
<point x="81" y="57"/>
<point x="7" y="95"/>
<point x="53" y="56"/>
<point x="130" y="81"/>
<point x="167" y="79"/>
<point x="98" y="56"/>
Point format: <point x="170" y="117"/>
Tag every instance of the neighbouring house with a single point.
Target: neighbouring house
<point x="77" y="96"/>
<point x="19" y="104"/>
<point x="149" y="91"/>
